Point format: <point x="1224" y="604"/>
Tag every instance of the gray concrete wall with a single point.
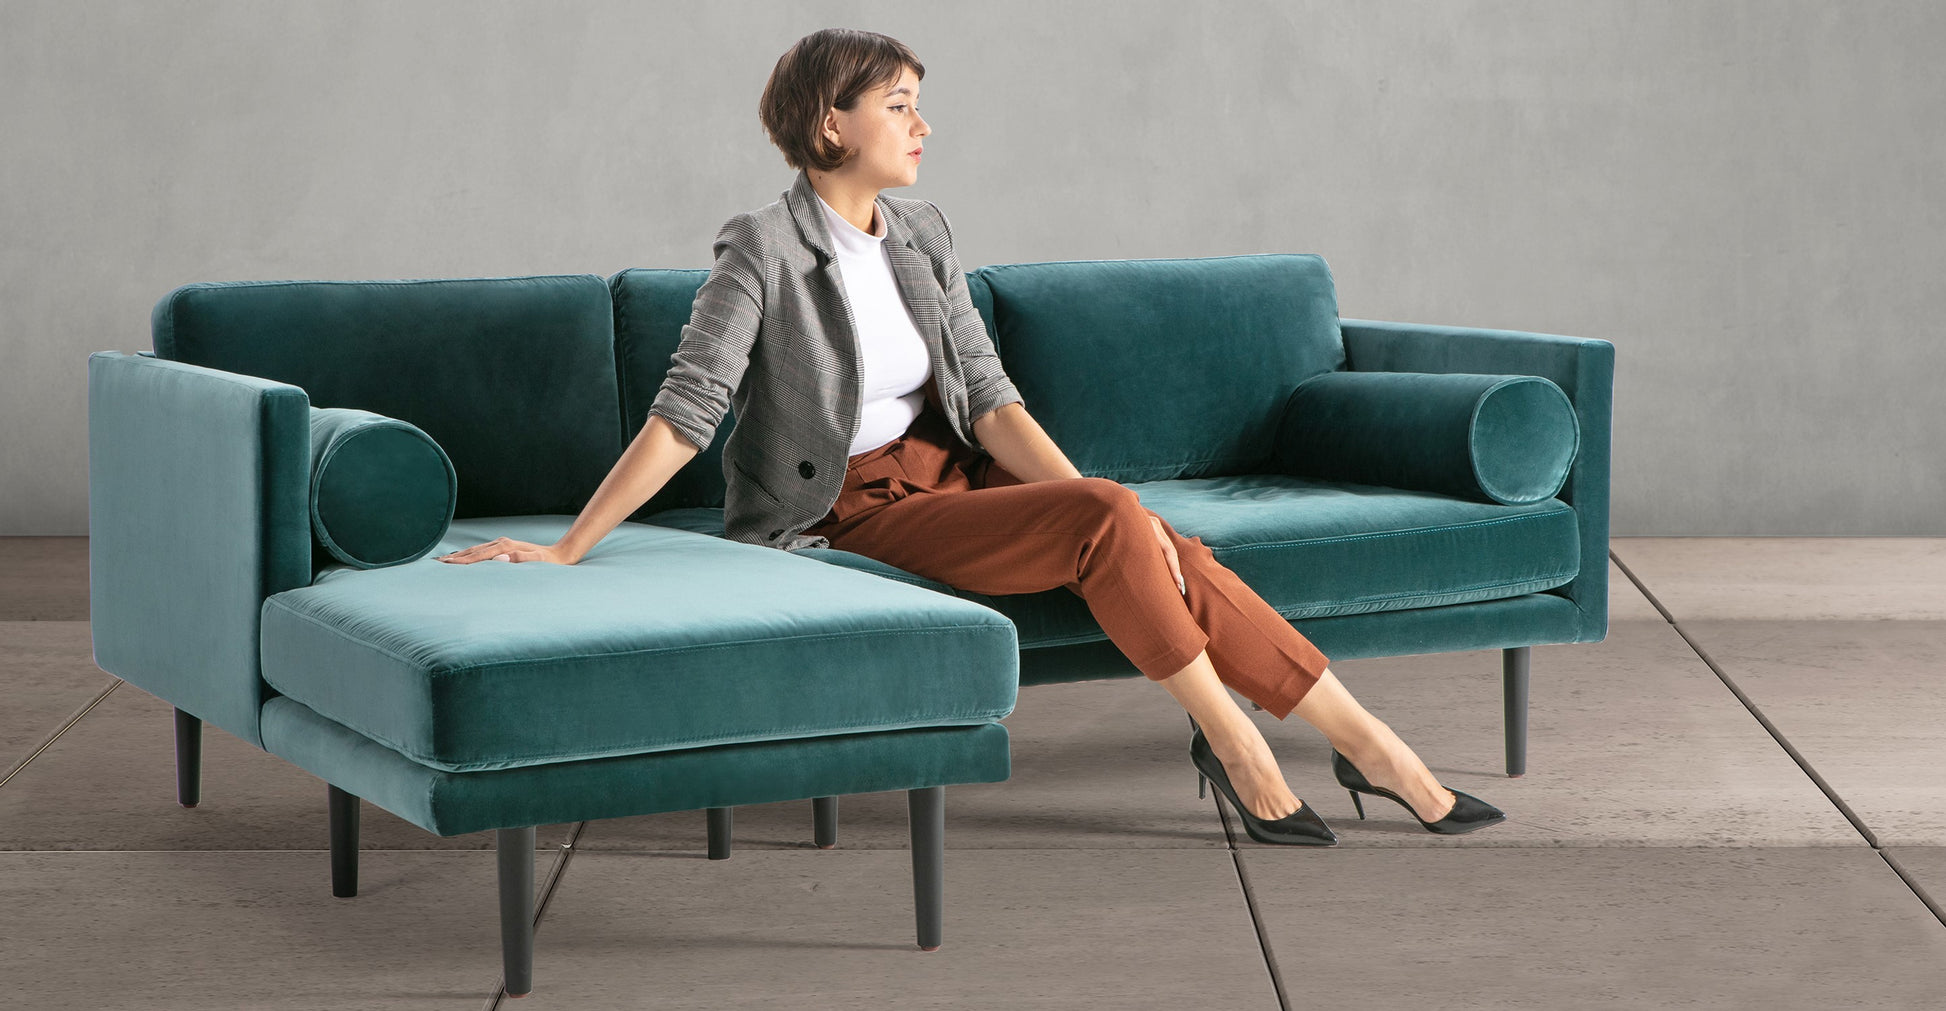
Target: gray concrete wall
<point x="1745" y="197"/>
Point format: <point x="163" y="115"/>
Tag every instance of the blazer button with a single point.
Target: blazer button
<point x="773" y="535"/>
<point x="807" y="470"/>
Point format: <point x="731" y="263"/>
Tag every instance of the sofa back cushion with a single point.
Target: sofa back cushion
<point x="514" y="377"/>
<point x="1147" y="370"/>
<point x="651" y="306"/>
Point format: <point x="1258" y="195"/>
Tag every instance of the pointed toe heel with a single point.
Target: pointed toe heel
<point x="1302" y="827"/>
<point x="1468" y="814"/>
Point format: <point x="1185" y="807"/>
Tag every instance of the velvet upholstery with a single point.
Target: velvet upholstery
<point x="514" y="377"/>
<point x="756" y="772"/>
<point x="672" y="669"/>
<point x="382" y="491"/>
<point x="651" y="306"/>
<point x="657" y="639"/>
<point x="1145" y="370"/>
<point x="1309" y="548"/>
<point x="198" y="490"/>
<point x="1584" y="369"/>
<point x="1504" y="439"/>
<point x="1488" y="624"/>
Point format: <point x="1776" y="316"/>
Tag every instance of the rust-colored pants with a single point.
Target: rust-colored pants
<point x="930" y="505"/>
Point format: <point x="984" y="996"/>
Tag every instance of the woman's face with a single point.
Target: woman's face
<point x="885" y="128"/>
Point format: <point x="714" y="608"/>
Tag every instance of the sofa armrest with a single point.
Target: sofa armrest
<point x="1584" y="369"/>
<point x="198" y="510"/>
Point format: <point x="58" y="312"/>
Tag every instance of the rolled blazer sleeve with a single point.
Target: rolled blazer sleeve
<point x="715" y="348"/>
<point x="987" y="384"/>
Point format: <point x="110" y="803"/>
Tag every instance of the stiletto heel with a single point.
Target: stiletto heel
<point x="1302" y="827"/>
<point x="1202" y="781"/>
<point x="1468" y="813"/>
<point x="1359" y="804"/>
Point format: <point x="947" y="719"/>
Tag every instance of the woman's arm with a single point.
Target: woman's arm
<point x="987" y="386"/>
<point x="1020" y="446"/>
<point x="715" y="347"/>
<point x="708" y="364"/>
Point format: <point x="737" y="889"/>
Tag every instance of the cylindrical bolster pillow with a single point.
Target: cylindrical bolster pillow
<point x="1505" y="439"/>
<point x="382" y="491"/>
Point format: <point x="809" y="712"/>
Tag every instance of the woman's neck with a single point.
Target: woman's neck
<point x="860" y="207"/>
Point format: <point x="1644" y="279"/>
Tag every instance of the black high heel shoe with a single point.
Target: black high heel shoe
<point x="1302" y="827"/>
<point x="1468" y="813"/>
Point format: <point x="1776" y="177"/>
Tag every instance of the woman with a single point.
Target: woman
<point x="946" y="475"/>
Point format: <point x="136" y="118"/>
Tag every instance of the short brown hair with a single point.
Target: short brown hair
<point x="830" y="67"/>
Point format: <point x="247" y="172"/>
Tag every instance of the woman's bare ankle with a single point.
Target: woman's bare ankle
<point x="1253" y="771"/>
<point x="1391" y="763"/>
<point x="1235" y="737"/>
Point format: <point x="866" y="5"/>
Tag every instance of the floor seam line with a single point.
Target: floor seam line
<point x="1263" y="938"/>
<point x="1917" y="889"/>
<point x="1790" y="749"/>
<point x="1830" y="793"/>
<point x="1639" y="585"/>
<point x="113" y="684"/>
<point x="1256" y="918"/>
<point x="1249" y="898"/>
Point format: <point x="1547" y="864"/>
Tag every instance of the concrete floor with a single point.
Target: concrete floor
<point x="1734" y="801"/>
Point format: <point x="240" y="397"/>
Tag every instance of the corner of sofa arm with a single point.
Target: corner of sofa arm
<point x="198" y="510"/>
<point x="1584" y="369"/>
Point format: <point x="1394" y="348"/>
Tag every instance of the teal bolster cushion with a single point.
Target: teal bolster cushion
<point x="1504" y="439"/>
<point x="382" y="491"/>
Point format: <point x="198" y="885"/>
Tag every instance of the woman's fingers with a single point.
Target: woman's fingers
<point x="503" y="549"/>
<point x="479" y="552"/>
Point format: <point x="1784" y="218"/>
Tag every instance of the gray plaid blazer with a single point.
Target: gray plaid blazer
<point x="771" y="333"/>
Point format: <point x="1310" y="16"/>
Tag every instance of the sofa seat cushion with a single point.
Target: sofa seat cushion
<point x="659" y="639"/>
<point x="1310" y="548"/>
<point x="1314" y="548"/>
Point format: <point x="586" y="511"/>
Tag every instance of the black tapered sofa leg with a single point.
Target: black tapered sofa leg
<point x="516" y="853"/>
<point x="344" y="841"/>
<point x="926" y="809"/>
<point x="824" y="821"/>
<point x="189" y="759"/>
<point x="719" y="832"/>
<point x="1513" y="681"/>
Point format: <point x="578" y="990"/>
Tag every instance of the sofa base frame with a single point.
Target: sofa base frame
<point x="1514" y="666"/>
<point x="925" y="807"/>
<point x="514" y="855"/>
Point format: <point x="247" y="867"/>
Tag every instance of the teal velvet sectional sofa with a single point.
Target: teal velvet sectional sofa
<point x="1391" y="488"/>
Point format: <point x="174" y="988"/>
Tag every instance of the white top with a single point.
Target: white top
<point x="892" y="356"/>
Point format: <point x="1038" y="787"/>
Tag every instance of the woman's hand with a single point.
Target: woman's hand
<point x="1169" y="552"/>
<point x="506" y="549"/>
